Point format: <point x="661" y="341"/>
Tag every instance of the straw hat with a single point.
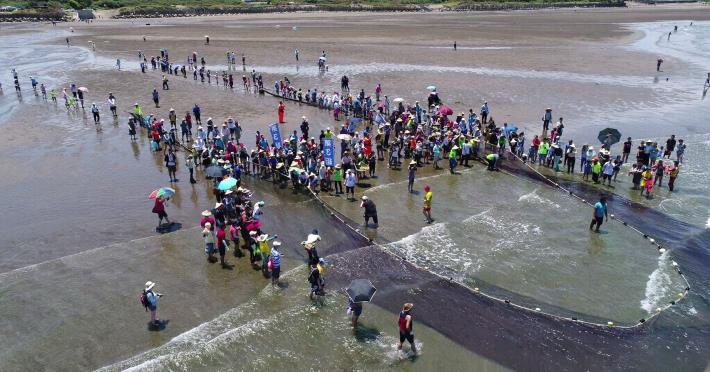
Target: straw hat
<point x="217" y="205"/>
<point x="227" y="192"/>
<point x="149" y="285"/>
<point x="206" y="213"/>
<point x="364" y="197"/>
<point x="276" y="243"/>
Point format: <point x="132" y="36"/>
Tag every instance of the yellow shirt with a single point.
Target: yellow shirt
<point x="264" y="247"/>
<point x="427" y="199"/>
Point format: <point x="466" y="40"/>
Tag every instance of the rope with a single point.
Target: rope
<point x="476" y="291"/>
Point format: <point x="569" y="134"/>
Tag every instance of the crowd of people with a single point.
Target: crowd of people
<point x="374" y="129"/>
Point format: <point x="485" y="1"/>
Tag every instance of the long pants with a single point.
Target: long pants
<point x="570" y="165"/>
<point x="281" y="117"/>
<point x="374" y="219"/>
<point x="658" y="180"/>
<point x="491" y="165"/>
<point x="338" y="186"/>
<point x="671" y="182"/>
<point x="96" y="117"/>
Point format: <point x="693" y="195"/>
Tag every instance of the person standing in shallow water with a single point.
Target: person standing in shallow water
<point x="370" y="211"/>
<point x="600" y="211"/>
<point x="426" y="209"/>
<point x="156" y="98"/>
<point x="159" y="209"/>
<point x="151" y="302"/>
<point x="281" y="111"/>
<point x="406" y="327"/>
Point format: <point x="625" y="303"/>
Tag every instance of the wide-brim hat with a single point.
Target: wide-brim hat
<point x="206" y="213"/>
<point x="262" y="238"/>
<point x="149" y="285"/>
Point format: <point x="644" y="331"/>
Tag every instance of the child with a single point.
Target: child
<point x="649" y="187"/>
<point x="587" y="170"/>
<point x="635" y="172"/>
<point x="645" y="178"/>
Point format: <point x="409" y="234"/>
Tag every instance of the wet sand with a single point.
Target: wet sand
<point x="70" y="187"/>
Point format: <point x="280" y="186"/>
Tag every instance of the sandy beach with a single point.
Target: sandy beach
<point x="77" y="226"/>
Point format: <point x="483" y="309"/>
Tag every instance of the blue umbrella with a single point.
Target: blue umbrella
<point x="227" y="184"/>
<point x="510" y="128"/>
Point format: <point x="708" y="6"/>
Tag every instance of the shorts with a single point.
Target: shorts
<point x="598" y="220"/>
<point x="409" y="336"/>
<point x="276" y="272"/>
<point x="172" y="168"/>
<point x="162" y="214"/>
<point x="209" y="248"/>
<point x="357" y="311"/>
<point x="606" y="176"/>
<point x="426" y="209"/>
<point x="350" y="189"/>
<point x="222" y="249"/>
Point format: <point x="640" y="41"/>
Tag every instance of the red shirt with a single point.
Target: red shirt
<point x="220" y="237"/>
<point x="209" y="219"/>
<point x="159" y="206"/>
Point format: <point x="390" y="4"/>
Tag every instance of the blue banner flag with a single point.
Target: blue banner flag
<point x="275" y="134"/>
<point x="329" y="152"/>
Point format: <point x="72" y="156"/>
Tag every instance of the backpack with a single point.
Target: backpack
<point x="144" y="300"/>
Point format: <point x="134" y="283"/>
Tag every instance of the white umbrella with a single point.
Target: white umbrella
<point x="345" y="137"/>
<point x="398" y="100"/>
<point x="431" y="88"/>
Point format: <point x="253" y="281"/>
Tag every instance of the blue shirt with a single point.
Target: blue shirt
<point x="599" y="209"/>
<point x="275" y="258"/>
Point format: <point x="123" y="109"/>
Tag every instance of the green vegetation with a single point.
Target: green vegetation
<point x="161" y="8"/>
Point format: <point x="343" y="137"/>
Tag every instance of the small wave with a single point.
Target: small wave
<point x="434" y="249"/>
<point x="707" y="223"/>
<point x="658" y="285"/>
<point x="471" y="48"/>
<point x="535" y="198"/>
<point x="388" y="185"/>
